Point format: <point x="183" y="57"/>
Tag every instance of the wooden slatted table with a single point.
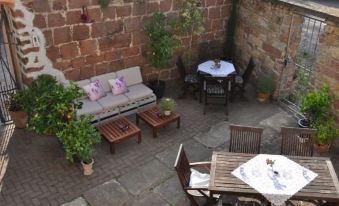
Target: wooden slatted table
<point x="113" y="133"/>
<point x="324" y="187"/>
<point x="150" y="116"/>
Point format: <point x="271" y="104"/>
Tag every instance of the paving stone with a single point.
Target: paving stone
<point x="216" y="136"/>
<point x="278" y="120"/>
<point x="171" y="190"/>
<point x="77" y="202"/>
<point x="144" y="177"/>
<point x="109" y="193"/>
<point x="148" y="199"/>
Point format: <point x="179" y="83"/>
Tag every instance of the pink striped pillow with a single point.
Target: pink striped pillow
<point x="118" y="85"/>
<point x="94" y="90"/>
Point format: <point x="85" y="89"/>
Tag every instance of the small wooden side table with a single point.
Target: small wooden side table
<point x="155" y="121"/>
<point x="113" y="132"/>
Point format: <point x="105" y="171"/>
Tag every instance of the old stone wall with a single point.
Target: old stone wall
<point x="112" y="41"/>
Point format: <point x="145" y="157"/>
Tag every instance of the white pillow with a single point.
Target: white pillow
<point x="198" y="179"/>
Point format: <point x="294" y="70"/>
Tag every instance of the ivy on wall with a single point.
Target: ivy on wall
<point x="231" y="26"/>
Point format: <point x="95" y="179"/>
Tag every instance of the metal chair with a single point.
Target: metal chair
<point x="190" y="80"/>
<point x="245" y="139"/>
<point x="242" y="80"/>
<point x="183" y="169"/>
<point x="215" y="87"/>
<point x="297" y="141"/>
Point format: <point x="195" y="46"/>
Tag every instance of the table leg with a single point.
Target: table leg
<point x="178" y="123"/>
<point x="137" y="119"/>
<point x="111" y="148"/>
<point x="139" y="137"/>
<point x="210" y="200"/>
<point x="155" y="132"/>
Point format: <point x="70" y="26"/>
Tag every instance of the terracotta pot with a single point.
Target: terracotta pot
<point x="88" y="168"/>
<point x="19" y="119"/>
<point x="322" y="148"/>
<point x="167" y="113"/>
<point x="263" y="97"/>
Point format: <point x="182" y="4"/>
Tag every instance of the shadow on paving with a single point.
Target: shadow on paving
<point x="38" y="174"/>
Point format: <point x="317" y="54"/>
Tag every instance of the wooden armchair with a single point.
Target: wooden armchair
<point x="183" y="168"/>
<point x="245" y="139"/>
<point x="297" y="141"/>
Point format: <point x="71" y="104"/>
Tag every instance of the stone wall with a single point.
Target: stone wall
<point x="113" y="41"/>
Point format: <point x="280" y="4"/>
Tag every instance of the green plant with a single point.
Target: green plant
<point x="78" y="138"/>
<point x="190" y="22"/>
<point x="104" y="3"/>
<point x="326" y="131"/>
<point x="231" y="26"/>
<point x="316" y="104"/>
<point x="51" y="105"/>
<point x="265" y="83"/>
<point x="17" y="101"/>
<point x="162" y="42"/>
<point x="167" y="104"/>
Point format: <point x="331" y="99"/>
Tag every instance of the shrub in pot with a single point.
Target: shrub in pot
<point x="326" y="134"/>
<point x="78" y="138"/>
<point x="265" y="87"/>
<point x="17" y="108"/>
<point x="167" y="105"/>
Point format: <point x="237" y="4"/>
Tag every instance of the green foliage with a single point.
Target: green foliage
<point x="17" y="101"/>
<point x="326" y="131"/>
<point x="78" y="138"/>
<point x="190" y="18"/>
<point x="51" y="105"/>
<point x="104" y="3"/>
<point x="316" y="104"/>
<point x="231" y="26"/>
<point x="167" y="104"/>
<point x="162" y="42"/>
<point x="265" y="83"/>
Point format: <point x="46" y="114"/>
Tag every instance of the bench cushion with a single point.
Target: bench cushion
<point x="81" y="84"/>
<point x="137" y="92"/>
<point x="103" y="78"/>
<point x="89" y="107"/>
<point x="132" y="75"/>
<point x="110" y="100"/>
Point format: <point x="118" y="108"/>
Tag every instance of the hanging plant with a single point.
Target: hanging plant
<point x="104" y="3"/>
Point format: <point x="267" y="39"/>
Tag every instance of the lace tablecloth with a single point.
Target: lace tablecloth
<point x="278" y="183"/>
<point x="225" y="69"/>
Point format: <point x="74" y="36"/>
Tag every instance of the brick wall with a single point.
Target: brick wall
<point x="115" y="40"/>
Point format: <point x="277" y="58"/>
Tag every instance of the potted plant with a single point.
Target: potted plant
<point x="326" y="134"/>
<point x="167" y="105"/>
<point x="78" y="138"/>
<point x="16" y="108"/>
<point x="162" y="46"/>
<point x="265" y="87"/>
<point x="315" y="105"/>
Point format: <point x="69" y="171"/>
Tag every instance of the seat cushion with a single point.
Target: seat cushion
<point x="215" y="89"/>
<point x="199" y="180"/>
<point x="81" y="84"/>
<point x="191" y="78"/>
<point x="89" y="107"/>
<point x="132" y="75"/>
<point x="137" y="92"/>
<point x="110" y="100"/>
<point x="103" y="78"/>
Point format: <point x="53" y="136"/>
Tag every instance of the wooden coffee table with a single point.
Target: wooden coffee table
<point x="150" y="116"/>
<point x="113" y="132"/>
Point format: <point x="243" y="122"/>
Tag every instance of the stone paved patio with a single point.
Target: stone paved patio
<point x="38" y="174"/>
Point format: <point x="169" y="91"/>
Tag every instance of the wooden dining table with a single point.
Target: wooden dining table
<point x="324" y="187"/>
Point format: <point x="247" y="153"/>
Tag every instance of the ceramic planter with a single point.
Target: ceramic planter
<point x="263" y="97"/>
<point x="167" y="113"/>
<point x="19" y="119"/>
<point x="87" y="168"/>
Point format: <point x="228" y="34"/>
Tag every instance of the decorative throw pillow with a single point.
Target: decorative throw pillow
<point x="118" y="85"/>
<point x="94" y="90"/>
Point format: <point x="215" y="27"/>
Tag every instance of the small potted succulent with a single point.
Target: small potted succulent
<point x="326" y="134"/>
<point x="78" y="138"/>
<point x="16" y="107"/>
<point x="265" y="87"/>
<point x="167" y="105"/>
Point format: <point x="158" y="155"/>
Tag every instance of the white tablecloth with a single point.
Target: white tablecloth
<point x="225" y="69"/>
<point x="276" y="188"/>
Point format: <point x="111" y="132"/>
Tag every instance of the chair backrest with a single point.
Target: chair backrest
<point x="248" y="72"/>
<point x="182" y="166"/>
<point x="223" y="81"/>
<point x="297" y="141"/>
<point x="181" y="66"/>
<point x="245" y="139"/>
